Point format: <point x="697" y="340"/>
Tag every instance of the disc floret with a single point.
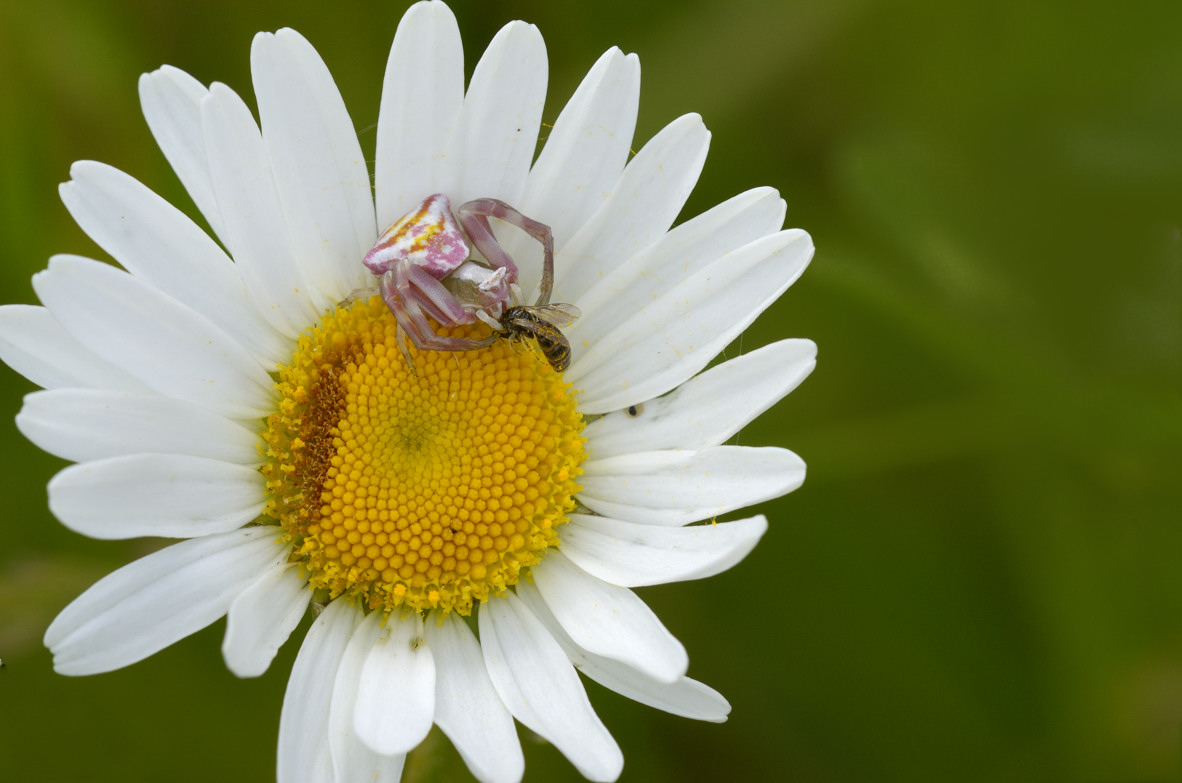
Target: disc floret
<point x="430" y="489"/>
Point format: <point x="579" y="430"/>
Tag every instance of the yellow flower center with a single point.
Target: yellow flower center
<point x="426" y="489"/>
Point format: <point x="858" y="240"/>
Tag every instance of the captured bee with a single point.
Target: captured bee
<point x="541" y="322"/>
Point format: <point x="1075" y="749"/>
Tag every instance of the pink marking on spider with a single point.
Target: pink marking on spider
<point x="426" y="247"/>
<point x="428" y="237"/>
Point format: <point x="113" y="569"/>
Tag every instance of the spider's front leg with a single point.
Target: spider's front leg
<point x="474" y="215"/>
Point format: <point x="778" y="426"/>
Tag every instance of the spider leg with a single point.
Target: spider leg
<point x="397" y="305"/>
<point x="490" y="320"/>
<point x="416" y="304"/>
<point x="433" y="297"/>
<point x="428" y="340"/>
<point x="474" y="215"/>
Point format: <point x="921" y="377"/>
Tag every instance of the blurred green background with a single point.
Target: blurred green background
<point x="980" y="579"/>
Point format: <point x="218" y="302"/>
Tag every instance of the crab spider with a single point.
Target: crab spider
<point x="424" y="271"/>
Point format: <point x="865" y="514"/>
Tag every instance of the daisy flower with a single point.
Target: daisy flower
<point x="468" y="526"/>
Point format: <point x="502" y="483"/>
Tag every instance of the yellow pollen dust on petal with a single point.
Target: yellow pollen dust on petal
<point x="425" y="490"/>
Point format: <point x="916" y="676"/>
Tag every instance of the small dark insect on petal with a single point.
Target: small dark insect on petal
<point x="635" y="410"/>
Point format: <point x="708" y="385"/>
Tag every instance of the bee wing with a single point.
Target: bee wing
<point x="523" y="325"/>
<point x="557" y="314"/>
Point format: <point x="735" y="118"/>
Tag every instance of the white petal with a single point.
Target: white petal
<point x="663" y="265"/>
<point x="318" y="164"/>
<point x="171" y="100"/>
<point x="536" y="682"/>
<point x="34" y="344"/>
<point x="352" y="759"/>
<point x="502" y="112"/>
<point x="685" y="697"/>
<point x="262" y="617"/>
<point x="421" y="99"/>
<point x="152" y="337"/>
<point x="159" y="244"/>
<point x="587" y="148"/>
<point x="167" y="495"/>
<point x="584" y="154"/>
<point x="709" y="408"/>
<point x="467" y="707"/>
<point x="678" y="487"/>
<point x="254" y="227"/>
<point x="688" y="326"/>
<point x="303" y="724"/>
<point x="158" y="600"/>
<point x="634" y="555"/>
<point x="608" y="620"/>
<point x="395" y="704"/>
<point x="90" y="424"/>
<point x="643" y="204"/>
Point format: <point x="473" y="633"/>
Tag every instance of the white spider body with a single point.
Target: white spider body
<point x="428" y="237"/>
